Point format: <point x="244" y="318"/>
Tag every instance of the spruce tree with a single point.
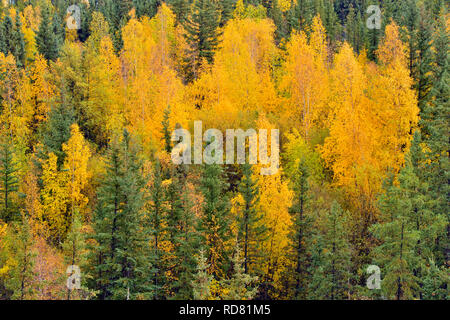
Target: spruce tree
<point x="435" y="134"/>
<point x="46" y="40"/>
<point x="21" y="274"/>
<point x="436" y="282"/>
<point x="167" y="136"/>
<point x="146" y="7"/>
<point x="214" y="222"/>
<point x="8" y="179"/>
<point x="181" y="224"/>
<point x="6" y="35"/>
<point x="423" y="65"/>
<point x="75" y="254"/>
<point x="202" y="35"/>
<point x="18" y="43"/>
<point x="56" y="130"/>
<point x="157" y="216"/>
<point x="121" y="232"/>
<point x="403" y="213"/>
<point x="251" y="231"/>
<point x="105" y="225"/>
<point x="331" y="275"/>
<point x="301" y="228"/>
<point x="202" y="280"/>
<point x="241" y="284"/>
<point x="181" y="10"/>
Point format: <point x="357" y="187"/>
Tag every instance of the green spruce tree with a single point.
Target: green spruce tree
<point x="331" y="270"/>
<point x="251" y="231"/>
<point x="46" y="41"/>
<point x="8" y="180"/>
<point x="301" y="229"/>
<point x="214" y="222"/>
<point x="202" y="35"/>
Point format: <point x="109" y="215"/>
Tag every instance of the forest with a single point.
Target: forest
<point x="92" y="207"/>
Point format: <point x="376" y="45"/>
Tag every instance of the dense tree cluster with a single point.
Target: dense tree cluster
<point x="87" y="180"/>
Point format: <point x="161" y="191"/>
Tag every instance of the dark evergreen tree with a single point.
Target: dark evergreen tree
<point x="355" y="30"/>
<point x="181" y="224"/>
<point x="18" y="43"/>
<point x="301" y="229"/>
<point x="47" y="42"/>
<point x="214" y="223"/>
<point x="158" y="217"/>
<point x="251" y="231"/>
<point x="226" y="11"/>
<point x="7" y="35"/>
<point x="167" y="136"/>
<point x="331" y="272"/>
<point x="408" y="229"/>
<point x="8" y="180"/>
<point x="123" y="269"/>
<point x="436" y="282"/>
<point x="181" y="10"/>
<point x="435" y="134"/>
<point x="423" y="64"/>
<point x="56" y="130"/>
<point x="146" y="7"/>
<point x="202" y="35"/>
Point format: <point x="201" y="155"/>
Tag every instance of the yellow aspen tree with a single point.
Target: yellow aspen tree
<point x="54" y="198"/>
<point x="239" y="83"/>
<point x="29" y="37"/>
<point x="31" y="17"/>
<point x="394" y="99"/>
<point x="151" y="82"/>
<point x="42" y="89"/>
<point x="105" y="104"/>
<point x="17" y="109"/>
<point x="350" y="144"/>
<point x="350" y="150"/>
<point x="76" y="166"/>
<point x="306" y="80"/>
<point x="32" y="203"/>
<point x="285" y="5"/>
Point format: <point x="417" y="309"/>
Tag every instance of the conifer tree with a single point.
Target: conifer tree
<point x="331" y="271"/>
<point x="403" y="209"/>
<point x="146" y="7"/>
<point x="123" y="269"/>
<point x="183" y="236"/>
<point x="181" y="10"/>
<point x="202" y="35"/>
<point x="157" y="216"/>
<point x="75" y="254"/>
<point x="46" y="41"/>
<point x="423" y="65"/>
<point x="21" y="242"/>
<point x="18" y="43"/>
<point x="106" y="224"/>
<point x="214" y="222"/>
<point x="241" y="284"/>
<point x="6" y="30"/>
<point x="167" y="137"/>
<point x="202" y="280"/>
<point x="56" y="131"/>
<point x="436" y="282"/>
<point x="435" y="166"/>
<point x="301" y="227"/>
<point x="251" y="232"/>
<point x="8" y="179"/>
